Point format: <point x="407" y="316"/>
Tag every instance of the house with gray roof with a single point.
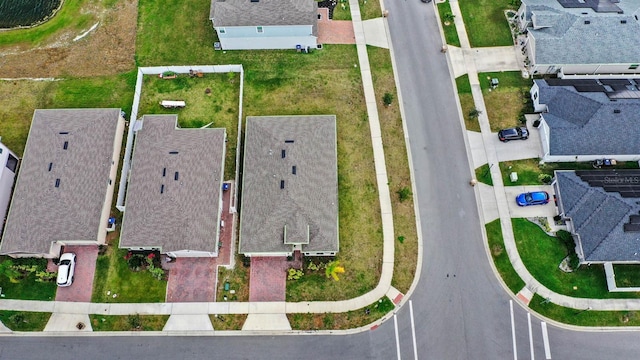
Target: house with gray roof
<point x="174" y="194"/>
<point x="602" y="211"/>
<point x="588" y="119"/>
<point x="65" y="185"/>
<point x="265" y="24"/>
<point x="581" y="36"/>
<point x="289" y="186"/>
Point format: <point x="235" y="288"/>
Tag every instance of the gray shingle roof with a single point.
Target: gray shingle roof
<point x="308" y="204"/>
<point x="599" y="218"/>
<point x="263" y="12"/>
<point x="42" y="213"/>
<point x="584" y="123"/>
<point x="185" y="216"/>
<point x="569" y="40"/>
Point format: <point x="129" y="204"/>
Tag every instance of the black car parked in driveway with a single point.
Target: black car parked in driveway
<point x="517" y="133"/>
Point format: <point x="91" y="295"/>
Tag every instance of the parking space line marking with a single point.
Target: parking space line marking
<point x="513" y="332"/>
<point x="395" y="323"/>
<point x="545" y="339"/>
<point x="413" y="332"/>
<point x="530" y="335"/>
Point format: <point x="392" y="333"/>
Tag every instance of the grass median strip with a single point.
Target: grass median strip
<point x="501" y="258"/>
<point x="342" y="321"/>
<point x="583" y="317"/>
<point x="467" y="104"/>
<point x="228" y="321"/>
<point x="449" y="27"/>
<point x="133" y="322"/>
<point x="24" y="320"/>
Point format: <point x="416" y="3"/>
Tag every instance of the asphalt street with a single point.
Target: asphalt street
<point x="459" y="309"/>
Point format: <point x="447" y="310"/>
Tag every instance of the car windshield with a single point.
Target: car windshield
<point x="65" y="262"/>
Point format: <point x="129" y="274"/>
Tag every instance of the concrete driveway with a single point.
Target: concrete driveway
<point x="516" y="211"/>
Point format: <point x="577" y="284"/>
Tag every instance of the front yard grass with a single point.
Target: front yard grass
<point x="627" y="275"/>
<point x="541" y="254"/>
<point x="113" y="277"/>
<point x="342" y="321"/>
<point x="228" y="321"/>
<point x="24" y="320"/>
<point x="485" y="21"/>
<point x="483" y="175"/>
<point x="583" y="317"/>
<point x="530" y="169"/>
<point x="220" y="106"/>
<point x="399" y="178"/>
<point x="466" y="103"/>
<point x="450" y="32"/>
<point x="507" y="103"/>
<point x="501" y="258"/>
<point x="27" y="286"/>
<point x="238" y="279"/>
<point x="128" y="322"/>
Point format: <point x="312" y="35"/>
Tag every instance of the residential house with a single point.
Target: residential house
<point x="174" y="194"/>
<point x="65" y="184"/>
<point x="265" y="24"/>
<point x="7" y="178"/>
<point x="581" y="36"/>
<point x="602" y="211"/>
<point x="289" y="186"/>
<point x="588" y="119"/>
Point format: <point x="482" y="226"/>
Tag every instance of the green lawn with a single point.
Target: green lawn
<point x="541" y="255"/>
<point x="501" y="258"/>
<point x="369" y="9"/>
<point x="24" y="320"/>
<point x="128" y="322"/>
<point x="220" y="106"/>
<point x="584" y="317"/>
<point x="113" y="276"/>
<point x="466" y="102"/>
<point x="483" y="175"/>
<point x="506" y="104"/>
<point x="529" y="169"/>
<point x="450" y="33"/>
<point x="69" y="16"/>
<point x="486" y="23"/>
<point x="19" y="98"/>
<point x="627" y="275"/>
<point x="27" y="286"/>
<point x="395" y="152"/>
<point x="228" y="321"/>
<point x="342" y="321"/>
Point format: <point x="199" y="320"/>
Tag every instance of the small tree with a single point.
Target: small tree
<point x="404" y="194"/>
<point x="474" y="113"/>
<point x="544" y="178"/>
<point x="448" y="18"/>
<point x="387" y="99"/>
<point x="9" y="271"/>
<point x="333" y="269"/>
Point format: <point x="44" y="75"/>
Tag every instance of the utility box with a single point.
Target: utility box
<point x="513" y="176"/>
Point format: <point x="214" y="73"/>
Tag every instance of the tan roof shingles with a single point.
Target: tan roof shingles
<point x="186" y="215"/>
<point x="40" y="212"/>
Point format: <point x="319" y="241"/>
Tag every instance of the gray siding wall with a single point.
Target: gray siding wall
<point x="271" y="37"/>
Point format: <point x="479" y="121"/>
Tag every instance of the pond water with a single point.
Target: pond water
<point x="14" y="13"/>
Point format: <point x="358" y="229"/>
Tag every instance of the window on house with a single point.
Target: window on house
<point x="222" y="31"/>
<point x="535" y="96"/>
<point x="319" y="16"/>
<point x="634" y="66"/>
<point x="12" y="163"/>
<point x="260" y="29"/>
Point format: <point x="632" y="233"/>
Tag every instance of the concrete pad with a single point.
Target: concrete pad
<point x="4" y="329"/>
<point x="68" y="322"/>
<point x="188" y="323"/>
<point x="267" y="322"/>
<point x="375" y="33"/>
<point x="476" y="145"/>
<point x="489" y="203"/>
<point x="501" y="58"/>
<point x="516" y="211"/>
<point x="456" y="56"/>
<point x="267" y="307"/>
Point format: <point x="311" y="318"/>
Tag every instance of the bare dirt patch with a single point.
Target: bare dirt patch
<point x="107" y="50"/>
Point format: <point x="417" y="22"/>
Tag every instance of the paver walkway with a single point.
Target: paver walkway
<point x="268" y="279"/>
<point x="82" y="287"/>
<point x="334" y="31"/>
<point x="192" y="280"/>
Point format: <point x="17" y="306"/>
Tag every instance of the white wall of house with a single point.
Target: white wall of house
<point x="266" y="37"/>
<point x="191" y="253"/>
<point x="7" y="179"/>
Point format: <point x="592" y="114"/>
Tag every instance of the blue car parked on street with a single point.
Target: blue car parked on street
<point x="533" y="198"/>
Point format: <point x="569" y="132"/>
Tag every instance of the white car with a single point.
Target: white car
<point x="65" y="269"/>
